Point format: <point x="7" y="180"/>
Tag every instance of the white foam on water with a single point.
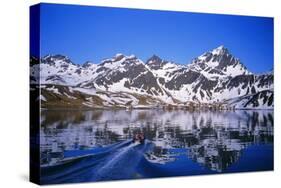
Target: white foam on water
<point x="117" y="157"/>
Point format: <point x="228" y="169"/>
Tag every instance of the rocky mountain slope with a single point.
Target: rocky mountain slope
<point x="216" y="78"/>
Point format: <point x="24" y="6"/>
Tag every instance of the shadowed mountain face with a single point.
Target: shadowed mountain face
<point x="216" y="77"/>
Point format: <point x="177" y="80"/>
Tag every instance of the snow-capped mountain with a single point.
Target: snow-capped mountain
<point x="219" y="63"/>
<point x="215" y="77"/>
<point x="60" y="70"/>
<point x="124" y="74"/>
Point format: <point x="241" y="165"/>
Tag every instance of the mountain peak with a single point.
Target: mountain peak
<point x="220" y="50"/>
<point x="154" y="59"/>
<point x="87" y="64"/>
<point x="120" y="56"/>
<point x="56" y="58"/>
<point x="220" y="60"/>
<point x="221" y="47"/>
<point x="155" y="62"/>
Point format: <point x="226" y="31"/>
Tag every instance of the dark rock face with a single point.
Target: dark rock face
<point x="100" y="69"/>
<point x="265" y="80"/>
<point x="205" y="84"/>
<point x="55" y="78"/>
<point x="148" y="82"/>
<point x="244" y="80"/>
<point x="225" y="59"/>
<point x="78" y="71"/>
<point x="156" y="62"/>
<point x="87" y="64"/>
<point x="161" y="81"/>
<point x="187" y="77"/>
<point x="265" y="96"/>
<point x="216" y="71"/>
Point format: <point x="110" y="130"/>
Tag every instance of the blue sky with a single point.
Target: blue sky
<point x="93" y="33"/>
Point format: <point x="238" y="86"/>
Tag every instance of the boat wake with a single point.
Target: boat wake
<point x="114" y="162"/>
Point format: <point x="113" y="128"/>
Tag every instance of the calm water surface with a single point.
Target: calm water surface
<point x="79" y="146"/>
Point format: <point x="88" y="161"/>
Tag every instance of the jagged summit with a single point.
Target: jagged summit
<point x="87" y="64"/>
<point x="220" y="50"/>
<point x="221" y="47"/>
<point x="156" y="63"/>
<point x="154" y="59"/>
<point x="57" y="58"/>
<point x="219" y="62"/>
<point x="119" y="57"/>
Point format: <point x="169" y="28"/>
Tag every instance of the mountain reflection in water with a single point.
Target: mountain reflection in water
<point x="177" y="142"/>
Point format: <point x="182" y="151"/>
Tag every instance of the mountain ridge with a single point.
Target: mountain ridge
<point x="215" y="77"/>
